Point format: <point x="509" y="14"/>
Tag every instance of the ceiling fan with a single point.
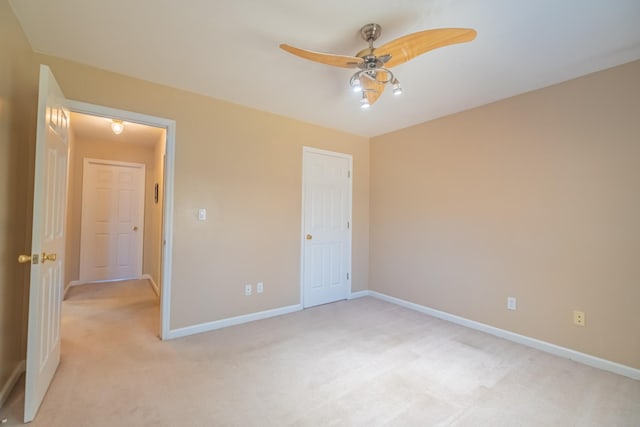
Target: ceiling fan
<point x="374" y="62"/>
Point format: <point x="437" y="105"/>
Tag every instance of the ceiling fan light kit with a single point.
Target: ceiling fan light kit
<point x="374" y="64"/>
<point x="372" y="68"/>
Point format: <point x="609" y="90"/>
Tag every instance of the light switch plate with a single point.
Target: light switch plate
<point x="202" y="214"/>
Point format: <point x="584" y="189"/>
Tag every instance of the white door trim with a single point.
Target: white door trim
<point x="141" y="207"/>
<point x="167" y="253"/>
<point x="349" y="157"/>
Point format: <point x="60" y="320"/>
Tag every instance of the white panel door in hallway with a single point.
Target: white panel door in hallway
<point x="326" y="231"/>
<point x="112" y="220"/>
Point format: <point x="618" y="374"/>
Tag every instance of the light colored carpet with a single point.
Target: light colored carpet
<point x="363" y="362"/>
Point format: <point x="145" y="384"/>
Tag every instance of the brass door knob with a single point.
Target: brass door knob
<point x="135" y="228"/>
<point x="48" y="257"/>
<point x="24" y="259"/>
<point x="309" y="237"/>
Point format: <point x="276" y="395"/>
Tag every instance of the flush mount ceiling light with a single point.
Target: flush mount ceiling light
<point x="374" y="63"/>
<point x="117" y="126"/>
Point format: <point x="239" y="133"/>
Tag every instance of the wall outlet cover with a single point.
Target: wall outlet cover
<point x="578" y="317"/>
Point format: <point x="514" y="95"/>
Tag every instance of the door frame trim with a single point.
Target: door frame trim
<point x="349" y="157"/>
<point x="85" y="162"/>
<point x="167" y="226"/>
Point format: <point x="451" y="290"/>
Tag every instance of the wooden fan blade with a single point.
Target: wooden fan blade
<point x="373" y="88"/>
<point x="408" y="47"/>
<point x="324" y="58"/>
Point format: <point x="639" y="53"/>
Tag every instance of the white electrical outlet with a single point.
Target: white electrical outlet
<point x="511" y="303"/>
<point x="578" y="317"/>
<point x="202" y="214"/>
<point x="247" y="290"/>
<point x="259" y="287"/>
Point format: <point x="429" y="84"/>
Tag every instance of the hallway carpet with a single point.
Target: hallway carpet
<point x="362" y="362"/>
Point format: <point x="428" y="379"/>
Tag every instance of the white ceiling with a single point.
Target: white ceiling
<point x="99" y="128"/>
<point x="228" y="49"/>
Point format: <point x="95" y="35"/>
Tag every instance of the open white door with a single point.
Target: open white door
<point x="47" y="245"/>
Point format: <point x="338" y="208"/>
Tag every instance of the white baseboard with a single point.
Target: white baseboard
<point x="84" y="282"/>
<point x="547" y="347"/>
<point x="152" y="282"/>
<point x="359" y="294"/>
<point x="70" y="285"/>
<point x="231" y="321"/>
<point x="11" y="382"/>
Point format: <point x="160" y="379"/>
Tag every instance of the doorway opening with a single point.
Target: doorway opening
<point x="142" y="152"/>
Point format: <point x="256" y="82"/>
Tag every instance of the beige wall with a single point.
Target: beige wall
<point x="83" y="148"/>
<point x="245" y="167"/>
<point x="537" y="197"/>
<point x="153" y="226"/>
<point x="72" y="237"/>
<point x="18" y="103"/>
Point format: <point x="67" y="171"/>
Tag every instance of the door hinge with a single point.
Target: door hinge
<point x="348" y="174"/>
<point x="348" y="224"/>
<point x="347" y="276"/>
